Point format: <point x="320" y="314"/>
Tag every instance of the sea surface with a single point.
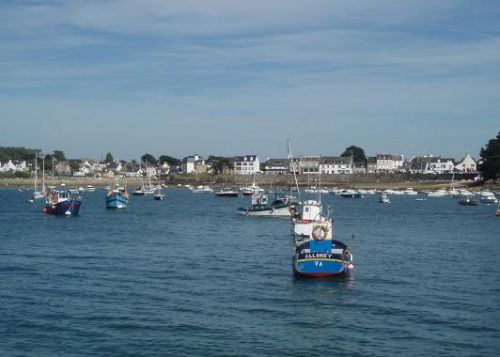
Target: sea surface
<point x="188" y="276"/>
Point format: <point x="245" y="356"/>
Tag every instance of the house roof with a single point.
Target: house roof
<point x="339" y="160"/>
<point x="277" y="162"/>
<point x="245" y="158"/>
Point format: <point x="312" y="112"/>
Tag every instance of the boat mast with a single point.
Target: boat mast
<point x="36" y="172"/>
<point x="43" y="173"/>
<point x="293" y="169"/>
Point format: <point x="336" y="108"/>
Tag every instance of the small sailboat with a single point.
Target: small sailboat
<point x="60" y="202"/>
<point x="38" y="194"/>
<point x="157" y="194"/>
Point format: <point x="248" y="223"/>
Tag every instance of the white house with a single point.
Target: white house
<point x="11" y="166"/>
<point x="246" y="165"/>
<point x="438" y="165"/>
<point x="467" y="165"/>
<point x="335" y="165"/>
<point x="193" y="164"/>
<point x="389" y="162"/>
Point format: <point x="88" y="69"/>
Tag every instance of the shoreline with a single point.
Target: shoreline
<point x="266" y="181"/>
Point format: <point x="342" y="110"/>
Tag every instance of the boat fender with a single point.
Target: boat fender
<point x="319" y="232"/>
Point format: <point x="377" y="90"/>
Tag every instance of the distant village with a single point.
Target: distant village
<point x="249" y="165"/>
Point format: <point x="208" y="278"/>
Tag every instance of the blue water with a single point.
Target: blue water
<point x="188" y="276"/>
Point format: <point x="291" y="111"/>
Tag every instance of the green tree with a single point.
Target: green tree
<point x="172" y="161"/>
<point x="148" y="159"/>
<point x="109" y="158"/>
<point x="74" y="165"/>
<point x="356" y="152"/>
<point x="59" y="155"/>
<point x="219" y="164"/>
<point x="490" y="166"/>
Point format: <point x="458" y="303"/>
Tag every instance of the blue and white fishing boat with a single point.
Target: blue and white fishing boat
<point x="117" y="198"/>
<point x="317" y="254"/>
<point x="60" y="202"/>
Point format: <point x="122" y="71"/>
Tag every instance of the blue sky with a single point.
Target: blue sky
<point x="232" y="77"/>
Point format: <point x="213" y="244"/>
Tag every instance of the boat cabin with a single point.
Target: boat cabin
<point x="311" y="211"/>
<point x="259" y="199"/>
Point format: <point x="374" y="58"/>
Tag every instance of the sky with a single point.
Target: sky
<point x="238" y="77"/>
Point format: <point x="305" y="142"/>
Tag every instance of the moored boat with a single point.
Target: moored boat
<point x="117" y="198"/>
<point x="383" y="198"/>
<point x="467" y="201"/>
<point x="317" y="254"/>
<point x="487" y="197"/>
<point x="280" y="207"/>
<point x="350" y="194"/>
<point x="60" y="202"/>
<point x="227" y="192"/>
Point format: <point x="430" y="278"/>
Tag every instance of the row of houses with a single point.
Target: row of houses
<point x="335" y="165"/>
<point x="250" y="165"/>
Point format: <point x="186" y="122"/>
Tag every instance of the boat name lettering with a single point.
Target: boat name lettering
<point x="318" y="255"/>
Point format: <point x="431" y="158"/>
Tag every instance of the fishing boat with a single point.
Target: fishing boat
<point x="226" y="192"/>
<point x="467" y="201"/>
<point x="117" y="198"/>
<point x="383" y="198"/>
<point x="317" y="254"/>
<point x="60" y="202"/>
<point x="280" y="207"/>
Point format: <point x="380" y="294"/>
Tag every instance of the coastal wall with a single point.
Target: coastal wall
<point x="357" y="181"/>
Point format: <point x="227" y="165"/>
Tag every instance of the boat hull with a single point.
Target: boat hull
<point x="320" y="267"/>
<point x="269" y="212"/>
<point x="70" y="207"/>
<point x="232" y="194"/>
<point x="116" y="202"/>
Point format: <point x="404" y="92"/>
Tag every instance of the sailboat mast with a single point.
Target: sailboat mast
<point x="43" y="172"/>
<point x="36" y="171"/>
<point x="293" y="169"/>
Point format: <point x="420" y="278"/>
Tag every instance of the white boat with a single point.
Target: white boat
<point x="460" y="193"/>
<point x="201" y="189"/>
<point x="487" y="197"/>
<point x="442" y="192"/>
<point x="90" y="188"/>
<point x="410" y="192"/>
<point x="383" y="198"/>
